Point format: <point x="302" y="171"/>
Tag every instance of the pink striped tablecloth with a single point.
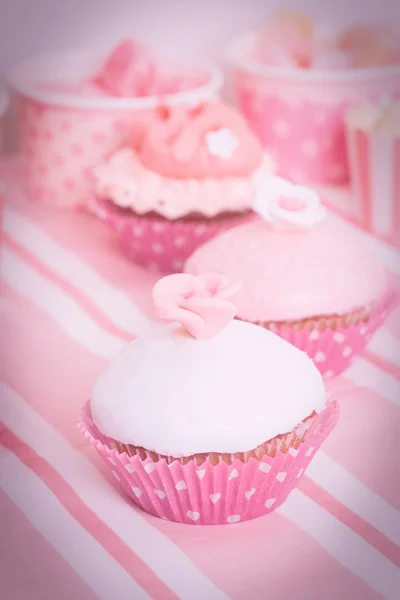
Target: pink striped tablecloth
<point x="68" y="303"/>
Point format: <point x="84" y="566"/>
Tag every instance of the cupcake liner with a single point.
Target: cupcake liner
<point x="158" y="244"/>
<point x="332" y="342"/>
<point x="214" y="494"/>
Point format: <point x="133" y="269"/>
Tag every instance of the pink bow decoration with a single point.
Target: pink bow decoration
<point x="288" y="206"/>
<point x="200" y="304"/>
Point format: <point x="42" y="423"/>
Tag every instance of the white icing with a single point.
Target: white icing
<point x="221" y="143"/>
<point x="175" y="395"/>
<point x="268" y="203"/>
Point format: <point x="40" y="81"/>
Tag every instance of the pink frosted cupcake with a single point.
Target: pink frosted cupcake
<point x="193" y="430"/>
<point x="303" y="277"/>
<point x="194" y="176"/>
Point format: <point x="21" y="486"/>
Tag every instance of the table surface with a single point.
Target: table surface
<point x="69" y="301"/>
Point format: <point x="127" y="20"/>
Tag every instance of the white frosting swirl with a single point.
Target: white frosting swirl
<point x="175" y="395"/>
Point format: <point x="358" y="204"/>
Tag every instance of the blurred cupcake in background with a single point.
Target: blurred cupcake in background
<point x="302" y="276"/>
<point x="198" y="419"/>
<point x="195" y="174"/>
<point x="76" y="107"/>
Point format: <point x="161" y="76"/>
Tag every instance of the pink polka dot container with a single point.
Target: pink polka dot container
<point x="64" y="132"/>
<point x="158" y="244"/>
<point x="298" y="114"/>
<point x="214" y="489"/>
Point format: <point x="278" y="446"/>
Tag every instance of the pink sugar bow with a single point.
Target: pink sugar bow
<point x="200" y="304"/>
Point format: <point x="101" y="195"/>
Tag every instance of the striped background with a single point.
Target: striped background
<point x="68" y="302"/>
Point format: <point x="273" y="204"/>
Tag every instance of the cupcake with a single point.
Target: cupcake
<point x="195" y="175"/>
<point x="302" y="276"/>
<point x="198" y="419"/>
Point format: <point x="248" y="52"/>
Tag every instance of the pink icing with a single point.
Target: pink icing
<point x="200" y="304"/>
<point x="179" y="145"/>
<point x="128" y="184"/>
<point x="291" y="275"/>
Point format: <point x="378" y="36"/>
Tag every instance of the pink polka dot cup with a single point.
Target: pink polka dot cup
<point x="64" y="134"/>
<point x="299" y="114"/>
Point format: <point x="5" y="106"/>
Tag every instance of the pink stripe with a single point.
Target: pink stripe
<point x="92" y="241"/>
<point x="362" y="149"/>
<point x="30" y="567"/>
<point x="365" y="440"/>
<point x="62" y="357"/>
<point x="84" y="301"/>
<point x="134" y="565"/>
<point x="351" y="519"/>
<point x="382" y="363"/>
<point x="396" y="189"/>
<point x="267" y="558"/>
<point x="20" y="370"/>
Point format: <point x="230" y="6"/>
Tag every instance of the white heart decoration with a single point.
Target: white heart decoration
<point x="200" y="474"/>
<point x="281" y="477"/>
<point x="339" y="337"/>
<point x="269" y="203"/>
<point x="269" y="503"/>
<point x="233" y="518"/>
<point x="149" y="468"/>
<point x="320" y="357"/>
<point x="193" y="515"/>
<point x="233" y="474"/>
<point x="137" y="491"/>
<point x="265" y="467"/>
<point x="160" y="493"/>
<point x="181" y="485"/>
<point x="215" y="497"/>
<point x="250" y="493"/>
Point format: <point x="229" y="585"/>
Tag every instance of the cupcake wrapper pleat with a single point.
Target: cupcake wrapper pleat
<point x="211" y="494"/>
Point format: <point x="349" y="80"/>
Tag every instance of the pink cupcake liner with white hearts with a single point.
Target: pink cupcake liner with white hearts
<point x="208" y="494"/>
<point x="158" y="244"/>
<point x="299" y="114"/>
<point x="334" y="342"/>
<point x="62" y="136"/>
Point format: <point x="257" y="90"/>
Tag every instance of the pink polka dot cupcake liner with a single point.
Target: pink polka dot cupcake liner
<point x="214" y="493"/>
<point x="157" y="244"/>
<point x="333" y="342"/>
